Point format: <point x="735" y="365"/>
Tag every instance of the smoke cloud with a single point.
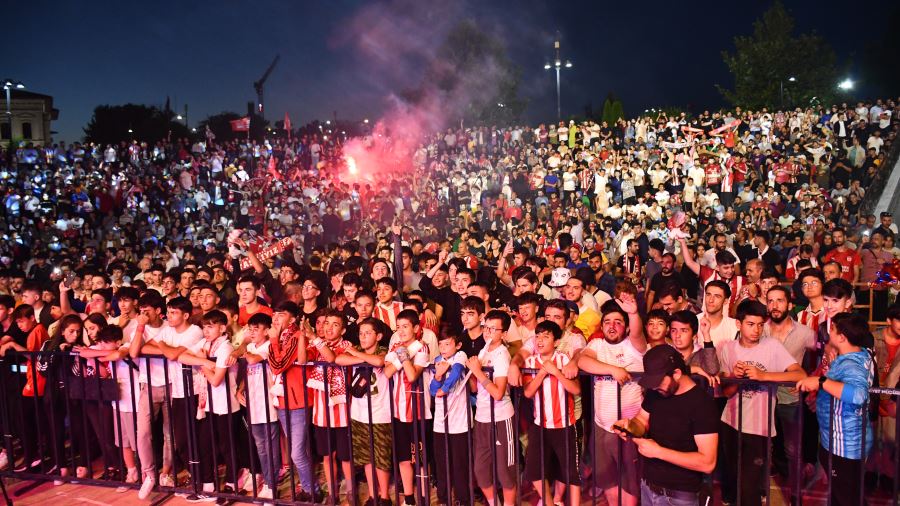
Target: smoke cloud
<point x="427" y="88"/>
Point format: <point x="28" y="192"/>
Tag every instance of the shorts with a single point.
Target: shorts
<point x="128" y="436"/>
<point x="405" y="441"/>
<point x="560" y="455"/>
<point x="606" y="461"/>
<point x="504" y="451"/>
<point x="335" y="439"/>
<point x="362" y="444"/>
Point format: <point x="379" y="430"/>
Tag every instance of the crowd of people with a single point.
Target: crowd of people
<point x="180" y="305"/>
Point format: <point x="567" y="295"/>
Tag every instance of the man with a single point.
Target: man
<point x="844" y="394"/>
<point x="471" y="313"/>
<point x="680" y="447"/>
<point x="887" y="228"/>
<point x="701" y="358"/>
<point x="450" y="298"/>
<point x="720" y="243"/>
<point x="588" y="317"/>
<point x="873" y="257"/>
<point x="796" y="339"/>
<point x="671" y="299"/>
<point x="725" y="270"/>
<point x="719" y="325"/>
<point x="750" y="357"/>
<point x="629" y="265"/>
<point x="248" y="301"/>
<point x="804" y="252"/>
<point x="832" y="270"/>
<point x="769" y="257"/>
<point x="617" y="354"/>
<point x="31" y="295"/>
<point x="666" y="272"/>
<point x="848" y="259"/>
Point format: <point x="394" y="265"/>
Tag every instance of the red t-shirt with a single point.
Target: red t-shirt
<point x="244" y="316"/>
<point x="847" y="258"/>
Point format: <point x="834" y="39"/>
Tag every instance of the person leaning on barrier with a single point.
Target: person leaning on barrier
<point x="681" y="448"/>
<point x="754" y="358"/>
<point x="887" y="343"/>
<point x="699" y="356"/>
<point x="844" y="394"/>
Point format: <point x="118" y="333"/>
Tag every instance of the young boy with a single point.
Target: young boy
<point x="451" y="420"/>
<point x="552" y="435"/>
<point x="218" y="436"/>
<point x="494" y="442"/>
<point x="387" y="309"/>
<point x="657" y="327"/>
<point x="370" y="407"/>
<point x="260" y="405"/>
<point x="329" y="396"/>
<point x="409" y="358"/>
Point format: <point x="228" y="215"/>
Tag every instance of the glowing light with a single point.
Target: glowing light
<point x="846" y="84"/>
<point x="351" y="166"/>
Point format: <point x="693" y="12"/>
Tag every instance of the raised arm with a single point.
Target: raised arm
<point x="689" y="261"/>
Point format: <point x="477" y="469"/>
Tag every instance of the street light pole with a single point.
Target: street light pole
<point x="8" y="85"/>
<point x="557" y="64"/>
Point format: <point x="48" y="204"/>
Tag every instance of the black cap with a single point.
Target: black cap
<point x="659" y="362"/>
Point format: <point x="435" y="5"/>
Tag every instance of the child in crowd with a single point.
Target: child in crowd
<point x="451" y="420"/>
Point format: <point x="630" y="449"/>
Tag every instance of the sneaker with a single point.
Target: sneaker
<point x="111" y="474"/>
<point x="132" y="476"/>
<point x="194" y="498"/>
<point x="146" y="487"/>
<point x="303" y="495"/>
<point x="62" y="472"/>
<point x="384" y="501"/>
<point x="166" y="480"/>
<point x="244" y="480"/>
<point x="265" y="493"/>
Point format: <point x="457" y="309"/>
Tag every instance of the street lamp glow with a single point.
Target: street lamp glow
<point x="179" y="118"/>
<point x="328" y="122"/>
<point x="792" y="79"/>
<point x="366" y="121"/>
<point x="846" y="84"/>
<point x="568" y="64"/>
<point x="547" y="66"/>
<point x="130" y="131"/>
<point x="194" y="130"/>
<point x="557" y="64"/>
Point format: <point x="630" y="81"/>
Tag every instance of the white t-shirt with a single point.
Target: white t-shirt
<point x="722" y="333"/>
<point x="456" y="419"/>
<point x="257" y="389"/>
<point x="156" y="364"/>
<point x="503" y="409"/>
<point x="622" y="354"/>
<point x="223" y="395"/>
<point x="379" y="388"/>
<point x="768" y="355"/>
<point x="190" y="337"/>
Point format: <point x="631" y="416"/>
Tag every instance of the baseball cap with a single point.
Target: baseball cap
<point x="559" y="277"/>
<point x="659" y="362"/>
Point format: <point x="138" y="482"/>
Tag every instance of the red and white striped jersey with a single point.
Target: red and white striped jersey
<point x="337" y="412"/>
<point x="554" y="408"/>
<point x="811" y="318"/>
<point x="388" y="313"/>
<point x="405" y="394"/>
<point x="334" y="412"/>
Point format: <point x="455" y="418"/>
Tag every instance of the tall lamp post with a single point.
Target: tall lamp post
<point x="8" y="85"/>
<point x="781" y="82"/>
<point x="558" y="63"/>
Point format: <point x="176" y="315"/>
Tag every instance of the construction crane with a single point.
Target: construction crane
<point x="258" y="86"/>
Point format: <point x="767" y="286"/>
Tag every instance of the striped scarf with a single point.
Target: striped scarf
<point x="337" y="381"/>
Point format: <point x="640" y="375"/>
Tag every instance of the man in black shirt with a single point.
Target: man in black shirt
<point x="769" y="256"/>
<point x="471" y="312"/>
<point x="681" y="446"/>
<point x="666" y="273"/>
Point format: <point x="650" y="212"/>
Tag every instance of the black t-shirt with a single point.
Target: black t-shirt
<point x="658" y="279"/>
<point x="771" y="259"/>
<point x="472" y="347"/>
<point x="674" y="421"/>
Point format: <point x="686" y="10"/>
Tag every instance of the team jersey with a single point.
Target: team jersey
<point x="388" y="313"/>
<point x="736" y="283"/>
<point x="330" y="410"/>
<point x="554" y="408"/>
<point x="857" y="372"/>
<point x="811" y="318"/>
<point x="405" y="395"/>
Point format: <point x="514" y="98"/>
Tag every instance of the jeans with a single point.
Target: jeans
<point x="786" y="416"/>
<point x="677" y="497"/>
<point x="753" y="454"/>
<point x="295" y="424"/>
<point x="267" y="436"/>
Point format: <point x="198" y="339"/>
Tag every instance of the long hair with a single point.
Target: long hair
<point x="57" y="338"/>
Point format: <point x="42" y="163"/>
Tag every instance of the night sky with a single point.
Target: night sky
<point x="207" y="54"/>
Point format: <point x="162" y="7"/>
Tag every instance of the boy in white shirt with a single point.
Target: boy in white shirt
<point x="260" y="405"/>
<point x="217" y="425"/>
<point x="451" y="420"/>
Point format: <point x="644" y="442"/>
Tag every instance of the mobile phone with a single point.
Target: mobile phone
<point x="70" y="277"/>
<point x="625" y="431"/>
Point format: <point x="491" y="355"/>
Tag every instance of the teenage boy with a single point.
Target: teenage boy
<point x="493" y="441"/>
<point x="553" y="432"/>
<point x="837" y="297"/>
<point x="220" y="438"/>
<point x="719" y="325"/>
<point x="471" y="314"/>
<point x="408" y="359"/>
<point x="248" y="301"/>
<point x="451" y="421"/>
<point x="171" y="340"/>
<point x="750" y="357"/>
<point x="330" y="417"/>
<point x="262" y="415"/>
<point x="812" y="282"/>
<point x="657" y="327"/>
<point x="370" y="410"/>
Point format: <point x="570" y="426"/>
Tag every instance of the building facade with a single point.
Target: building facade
<point x="32" y="114"/>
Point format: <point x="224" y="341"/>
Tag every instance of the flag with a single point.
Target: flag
<point x="287" y="122"/>
<point x="240" y="125"/>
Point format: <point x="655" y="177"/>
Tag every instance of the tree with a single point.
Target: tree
<point x="472" y="77"/>
<point x="110" y="124"/>
<point x="220" y="124"/>
<point x="763" y="64"/>
<point x="612" y="109"/>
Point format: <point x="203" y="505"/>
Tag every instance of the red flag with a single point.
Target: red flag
<point x="241" y="125"/>
<point x="287" y="122"/>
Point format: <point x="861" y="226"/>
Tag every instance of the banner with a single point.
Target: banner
<point x="675" y="145"/>
<point x="241" y="125"/>
<point x="268" y="251"/>
<point x="724" y="127"/>
<point x="628" y="190"/>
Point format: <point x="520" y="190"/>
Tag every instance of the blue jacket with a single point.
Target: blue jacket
<point x="857" y="372"/>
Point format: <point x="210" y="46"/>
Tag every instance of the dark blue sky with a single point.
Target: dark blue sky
<point x="207" y="54"/>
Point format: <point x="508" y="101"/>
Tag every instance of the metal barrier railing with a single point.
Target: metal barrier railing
<point x="195" y="435"/>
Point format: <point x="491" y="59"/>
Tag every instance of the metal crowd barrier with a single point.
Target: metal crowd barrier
<point x="62" y="424"/>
